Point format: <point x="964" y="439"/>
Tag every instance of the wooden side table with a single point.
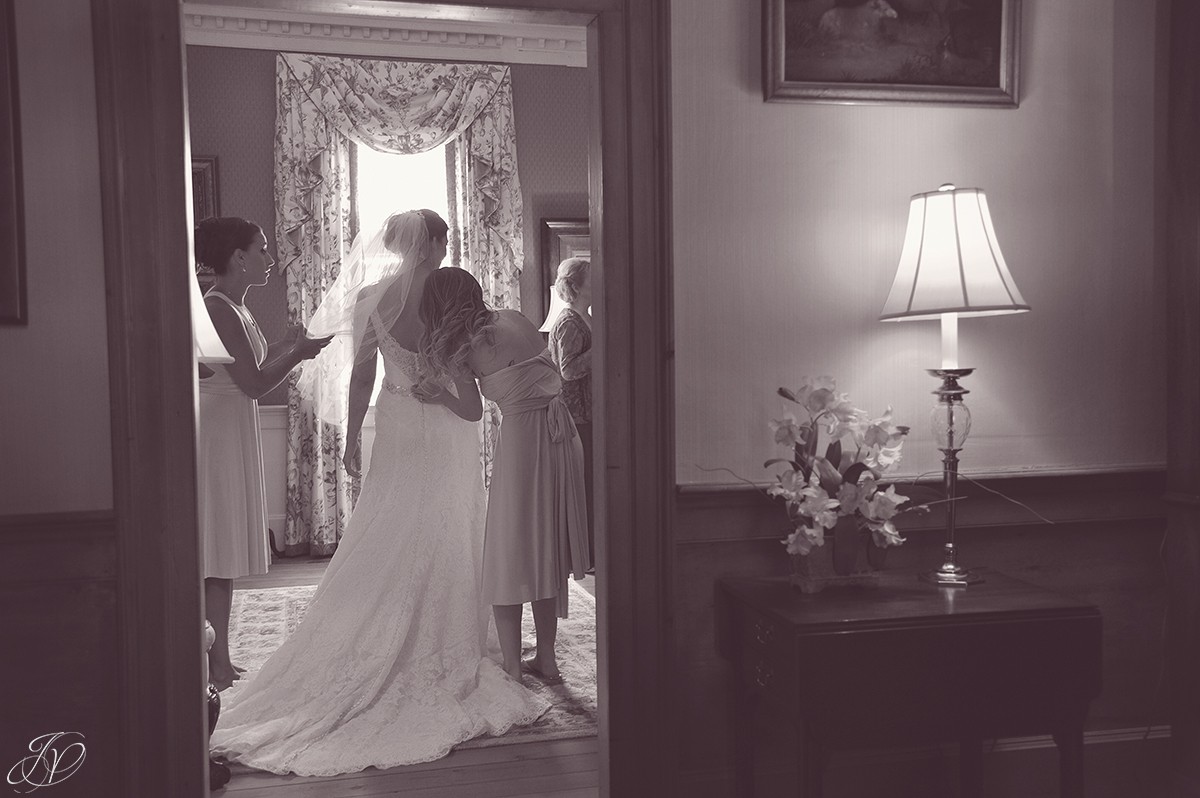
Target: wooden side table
<point x="909" y="662"/>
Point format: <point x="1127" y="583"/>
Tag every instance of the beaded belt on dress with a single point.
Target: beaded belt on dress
<point x="399" y="390"/>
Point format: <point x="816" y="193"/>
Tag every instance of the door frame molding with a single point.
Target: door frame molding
<point x="141" y="111"/>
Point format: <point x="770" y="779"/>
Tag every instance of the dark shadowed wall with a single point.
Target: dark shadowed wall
<point x="788" y="223"/>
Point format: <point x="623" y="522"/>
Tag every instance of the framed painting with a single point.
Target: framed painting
<point x="952" y="52"/>
<point x="205" y="202"/>
<point x="561" y="239"/>
<point x="12" y="222"/>
<point x="205" y="205"/>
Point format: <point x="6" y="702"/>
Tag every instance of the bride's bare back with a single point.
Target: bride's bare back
<point x="407" y="329"/>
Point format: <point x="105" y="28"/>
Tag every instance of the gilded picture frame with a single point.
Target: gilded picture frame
<point x="942" y="52"/>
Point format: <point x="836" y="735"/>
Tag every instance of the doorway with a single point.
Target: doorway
<point x="143" y="166"/>
<point x="231" y="66"/>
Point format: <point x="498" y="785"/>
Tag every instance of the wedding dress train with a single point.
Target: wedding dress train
<point x="390" y="664"/>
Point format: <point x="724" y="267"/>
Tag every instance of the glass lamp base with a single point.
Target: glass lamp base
<point x="950" y="575"/>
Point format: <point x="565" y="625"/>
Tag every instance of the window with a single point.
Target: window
<point x="385" y="184"/>
<point x="388" y="184"/>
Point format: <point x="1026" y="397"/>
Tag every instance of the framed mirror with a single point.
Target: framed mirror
<point x="561" y="239"/>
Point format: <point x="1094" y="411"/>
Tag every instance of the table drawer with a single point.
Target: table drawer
<point x="767" y="654"/>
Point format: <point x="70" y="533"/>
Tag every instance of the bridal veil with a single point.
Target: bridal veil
<point x="375" y="280"/>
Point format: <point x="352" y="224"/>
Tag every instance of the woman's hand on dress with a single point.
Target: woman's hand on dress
<point x="308" y="348"/>
<point x="350" y="460"/>
<point x="431" y="393"/>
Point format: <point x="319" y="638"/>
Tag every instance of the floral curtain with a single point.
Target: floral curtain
<point x="394" y="106"/>
<point x="487" y="201"/>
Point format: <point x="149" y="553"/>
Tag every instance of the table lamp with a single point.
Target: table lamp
<point x="557" y="306"/>
<point x="951" y="266"/>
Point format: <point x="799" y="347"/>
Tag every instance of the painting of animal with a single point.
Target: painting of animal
<point x="936" y="10"/>
<point x="936" y="51"/>
<point x="863" y="22"/>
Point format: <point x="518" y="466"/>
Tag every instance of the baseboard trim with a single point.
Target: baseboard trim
<point x="76" y="524"/>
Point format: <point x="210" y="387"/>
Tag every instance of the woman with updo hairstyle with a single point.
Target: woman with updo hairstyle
<point x="233" y="506"/>
<point x="571" y="350"/>
<point x="535" y="533"/>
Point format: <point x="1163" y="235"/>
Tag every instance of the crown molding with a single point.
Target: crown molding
<point x="382" y="36"/>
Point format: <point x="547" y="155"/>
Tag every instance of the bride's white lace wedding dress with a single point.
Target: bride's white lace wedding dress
<point x="389" y="666"/>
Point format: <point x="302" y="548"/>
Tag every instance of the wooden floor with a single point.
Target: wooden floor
<point x="555" y="769"/>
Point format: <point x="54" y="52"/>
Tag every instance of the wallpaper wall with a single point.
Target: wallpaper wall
<point x="231" y="96"/>
<point x="788" y="223"/>
<point x="551" y="109"/>
<point x="231" y="114"/>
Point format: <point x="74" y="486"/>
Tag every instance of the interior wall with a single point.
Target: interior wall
<point x="58" y="598"/>
<point x="231" y="115"/>
<point x="789" y="219"/>
<point x="550" y="104"/>
<point x="231" y="98"/>
<point x="57" y="439"/>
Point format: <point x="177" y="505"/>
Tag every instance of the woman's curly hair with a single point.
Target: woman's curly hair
<point x="456" y="319"/>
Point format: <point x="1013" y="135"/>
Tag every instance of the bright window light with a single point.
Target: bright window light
<point x="390" y="184"/>
<point x="387" y="184"/>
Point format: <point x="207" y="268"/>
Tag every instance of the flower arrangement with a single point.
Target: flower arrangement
<point x="821" y="489"/>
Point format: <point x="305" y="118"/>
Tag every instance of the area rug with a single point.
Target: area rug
<point x="261" y="619"/>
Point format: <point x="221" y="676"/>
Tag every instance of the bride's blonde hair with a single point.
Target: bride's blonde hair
<point x="456" y="320"/>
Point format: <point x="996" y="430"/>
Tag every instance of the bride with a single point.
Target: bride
<point x="390" y="664"/>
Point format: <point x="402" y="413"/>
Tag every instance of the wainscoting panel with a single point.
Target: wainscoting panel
<point x="272" y="421"/>
<point x="59" y="633"/>
<point x="1103" y="547"/>
<point x="744" y="512"/>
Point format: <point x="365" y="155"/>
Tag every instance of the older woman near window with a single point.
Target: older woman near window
<point x="571" y="350"/>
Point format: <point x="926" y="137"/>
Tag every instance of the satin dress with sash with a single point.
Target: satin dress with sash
<point x="536" y="531"/>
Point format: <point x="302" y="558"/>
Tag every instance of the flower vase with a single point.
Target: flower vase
<point x="876" y="555"/>
<point x="842" y="562"/>
<point x="843" y="542"/>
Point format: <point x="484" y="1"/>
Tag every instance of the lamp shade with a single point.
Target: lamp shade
<point x="557" y="306"/>
<point x="209" y="348"/>
<point x="951" y="261"/>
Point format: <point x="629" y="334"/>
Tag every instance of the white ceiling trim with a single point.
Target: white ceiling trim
<point x="386" y="37"/>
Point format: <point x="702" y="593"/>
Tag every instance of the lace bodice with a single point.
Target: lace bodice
<point x="401" y="367"/>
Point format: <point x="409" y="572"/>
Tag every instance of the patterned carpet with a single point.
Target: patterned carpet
<point x="261" y="619"/>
